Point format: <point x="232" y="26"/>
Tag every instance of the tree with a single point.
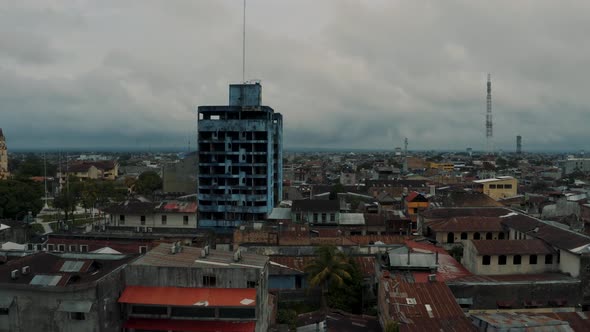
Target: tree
<point x="17" y="198"/>
<point x="330" y="267"/>
<point x="348" y="297"/>
<point x="392" y="326"/>
<point x="34" y="166"/>
<point x="148" y="182"/>
<point x="66" y="201"/>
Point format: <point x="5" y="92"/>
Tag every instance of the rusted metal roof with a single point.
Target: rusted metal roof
<point x="512" y="247"/>
<point x="366" y="264"/>
<point x="509" y="321"/>
<point x="180" y="296"/>
<point x="467" y="224"/>
<point x="448" y="267"/>
<point x="189" y="325"/>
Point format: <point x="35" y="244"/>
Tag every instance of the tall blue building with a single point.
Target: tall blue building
<point x="240" y="159"/>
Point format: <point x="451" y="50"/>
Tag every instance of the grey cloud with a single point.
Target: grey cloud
<point x="343" y="73"/>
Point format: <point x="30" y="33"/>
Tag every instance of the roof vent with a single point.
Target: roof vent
<point x="26" y="270"/>
<point x="206" y="250"/>
<point x="173" y="248"/>
<point x="432" y="277"/>
<point x="14" y="274"/>
<point x="237" y="255"/>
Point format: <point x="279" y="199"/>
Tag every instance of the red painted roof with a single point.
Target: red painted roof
<point x="448" y="267"/>
<point x="189" y="325"/>
<point x="212" y="297"/>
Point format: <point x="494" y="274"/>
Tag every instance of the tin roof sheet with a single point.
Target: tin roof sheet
<point x="75" y="306"/>
<point x="180" y="296"/>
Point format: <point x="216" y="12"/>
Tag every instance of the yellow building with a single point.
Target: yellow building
<point x="415" y="203"/>
<point x="3" y="157"/>
<point x="447" y="167"/>
<point x="499" y="187"/>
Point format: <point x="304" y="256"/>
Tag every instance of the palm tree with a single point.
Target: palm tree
<point x="330" y="267"/>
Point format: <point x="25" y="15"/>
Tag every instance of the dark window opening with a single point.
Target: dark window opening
<point x="451" y="237"/>
<point x="209" y="281"/>
<point x="486" y="260"/>
<point x="149" y="310"/>
<point x="501" y="236"/>
<point x="476" y="236"/>
<point x="488" y="235"/>
<point x="533" y="259"/>
<point x="237" y="313"/>
<point x="516" y="260"/>
<point x="77" y="316"/>
<point x="502" y="260"/>
<point x="548" y="259"/>
<point x="463" y="236"/>
<point x="251" y="284"/>
<point x="193" y="312"/>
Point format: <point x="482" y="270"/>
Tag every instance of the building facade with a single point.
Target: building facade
<point x="240" y="159"/>
<point x="497" y="188"/>
<point x="571" y="165"/>
<point x="3" y="157"/>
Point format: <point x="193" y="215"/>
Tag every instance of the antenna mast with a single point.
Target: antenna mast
<point x="244" y="46"/>
<point x="489" y="125"/>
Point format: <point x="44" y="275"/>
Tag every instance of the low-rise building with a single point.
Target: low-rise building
<point x="316" y="211"/>
<point x="144" y="216"/>
<point x="497" y="257"/>
<point x="461" y="229"/>
<point x="173" y="286"/>
<point x="61" y="292"/>
<point x="498" y="187"/>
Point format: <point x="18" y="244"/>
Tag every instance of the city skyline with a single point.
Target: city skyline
<point x="77" y="75"/>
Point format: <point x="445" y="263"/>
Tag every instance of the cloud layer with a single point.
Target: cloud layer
<point x="345" y="74"/>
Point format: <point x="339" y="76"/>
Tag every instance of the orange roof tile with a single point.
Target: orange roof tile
<point x="212" y="297"/>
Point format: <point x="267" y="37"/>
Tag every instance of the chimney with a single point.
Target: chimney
<point x="432" y="277"/>
<point x="14" y="274"/>
<point x="25" y="270"/>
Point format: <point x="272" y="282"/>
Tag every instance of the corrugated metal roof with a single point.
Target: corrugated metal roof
<point x="212" y="297"/>
<point x="530" y="323"/>
<point x="189" y="325"/>
<point x="280" y="213"/>
<point x="511" y="247"/>
<point x="417" y="260"/>
<point x="75" y="306"/>
<point x="45" y="280"/>
<point x="352" y="219"/>
<point x="467" y="224"/>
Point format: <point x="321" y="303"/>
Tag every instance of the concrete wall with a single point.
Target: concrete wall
<point x="154" y="220"/>
<point x="442" y="237"/>
<point x="473" y="262"/>
<point x="156" y="276"/>
<point x="35" y="307"/>
<point x="497" y="193"/>
<point x="569" y="263"/>
<point x="485" y="295"/>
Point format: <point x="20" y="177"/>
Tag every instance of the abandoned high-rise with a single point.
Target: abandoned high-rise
<point x="240" y="159"/>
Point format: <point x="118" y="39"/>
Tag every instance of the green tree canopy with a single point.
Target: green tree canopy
<point x="330" y="268"/>
<point x="34" y="166"/>
<point x="148" y="182"/>
<point x="17" y="198"/>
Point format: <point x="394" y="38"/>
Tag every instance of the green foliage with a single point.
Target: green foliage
<point x="456" y="252"/>
<point x="348" y="297"/>
<point x="336" y="189"/>
<point x="18" y="197"/>
<point x="331" y="268"/>
<point x="148" y="182"/>
<point x="392" y="326"/>
<point x="66" y="201"/>
<point x="37" y="228"/>
<point x="34" y="166"/>
<point x="287" y="316"/>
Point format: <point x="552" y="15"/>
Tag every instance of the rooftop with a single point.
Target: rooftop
<point x="46" y="269"/>
<point x="496" y="179"/>
<point x="191" y="257"/>
<point x="466" y="224"/>
<point x="181" y="296"/>
<point x="315" y="205"/>
<point x="511" y="247"/>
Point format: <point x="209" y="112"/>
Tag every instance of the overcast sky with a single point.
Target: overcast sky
<point x="344" y="74"/>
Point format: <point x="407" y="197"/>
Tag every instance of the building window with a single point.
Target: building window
<point x="507" y="186"/>
<point x="502" y="260"/>
<point x="164" y="219"/>
<point x="501" y="236"/>
<point x="488" y="235"/>
<point x="251" y="284"/>
<point x="61" y="247"/>
<point x="476" y="236"/>
<point x="83" y="248"/>
<point x="516" y="260"/>
<point x="332" y="216"/>
<point x="209" y="281"/>
<point x="324" y="217"/>
<point x="297" y="216"/>
<point x="451" y="237"/>
<point x="185" y="220"/>
<point x="486" y="260"/>
<point x="533" y="259"/>
<point x="122" y="219"/>
<point x="492" y="186"/>
<point x="72" y="247"/>
<point x="315" y="217"/>
<point x="4" y="311"/>
<point x="142" y="249"/>
<point x="500" y="186"/>
<point x="50" y="247"/>
<point x="558" y="256"/>
<point x="77" y="316"/>
<point x="549" y="259"/>
<point x="463" y="236"/>
<point x="142" y="220"/>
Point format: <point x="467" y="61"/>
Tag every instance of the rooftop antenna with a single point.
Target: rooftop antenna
<point x="405" y="146"/>
<point x="244" y="46"/>
<point x="489" y="125"/>
<point x="45" y="178"/>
